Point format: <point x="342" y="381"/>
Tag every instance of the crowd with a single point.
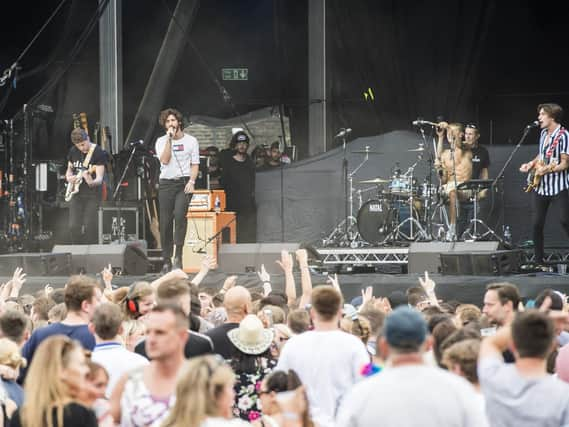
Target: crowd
<point x="173" y="352"/>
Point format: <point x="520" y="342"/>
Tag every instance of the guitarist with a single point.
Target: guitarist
<point x="550" y="167"/>
<point x="85" y="161"/>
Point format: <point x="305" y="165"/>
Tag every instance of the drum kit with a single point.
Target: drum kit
<point x="399" y="209"/>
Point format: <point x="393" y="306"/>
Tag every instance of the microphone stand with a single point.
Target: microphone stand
<point x="514" y="151"/>
<point x="455" y="207"/>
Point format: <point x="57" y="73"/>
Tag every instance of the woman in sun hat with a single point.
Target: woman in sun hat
<point x="252" y="361"/>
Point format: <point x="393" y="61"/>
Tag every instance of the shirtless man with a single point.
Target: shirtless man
<point x="462" y="164"/>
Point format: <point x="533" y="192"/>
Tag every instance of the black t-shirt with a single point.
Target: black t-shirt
<point x="222" y="345"/>
<point x="196" y="345"/>
<point x="480" y="160"/>
<point x="238" y="179"/>
<point x="76" y="158"/>
<point x="74" y="414"/>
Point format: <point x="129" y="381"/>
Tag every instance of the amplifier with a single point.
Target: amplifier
<point x="204" y="200"/>
<point x="118" y="224"/>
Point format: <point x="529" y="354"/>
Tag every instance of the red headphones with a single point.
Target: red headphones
<point x="131" y="303"/>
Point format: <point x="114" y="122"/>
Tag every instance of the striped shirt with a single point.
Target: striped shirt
<point x="554" y="182"/>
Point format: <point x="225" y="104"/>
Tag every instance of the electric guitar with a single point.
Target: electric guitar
<point x="533" y="179"/>
<point x="73" y="187"/>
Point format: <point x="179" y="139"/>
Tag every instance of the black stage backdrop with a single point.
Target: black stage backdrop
<point x="313" y="200"/>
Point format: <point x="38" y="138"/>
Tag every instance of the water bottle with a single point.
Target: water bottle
<point x="507" y="235"/>
<point x="217" y="204"/>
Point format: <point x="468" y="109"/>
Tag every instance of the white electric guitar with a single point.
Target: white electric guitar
<point x="73" y="187"/>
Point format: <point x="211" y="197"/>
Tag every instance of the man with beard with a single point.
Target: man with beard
<point x="179" y="156"/>
<point x="238" y="179"/>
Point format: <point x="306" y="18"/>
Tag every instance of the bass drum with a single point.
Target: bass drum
<point x="375" y="220"/>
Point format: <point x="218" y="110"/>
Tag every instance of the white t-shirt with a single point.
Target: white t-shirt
<point x="185" y="152"/>
<point x="412" y="396"/>
<point x="328" y="364"/>
<point x="117" y="360"/>
<point x="513" y="400"/>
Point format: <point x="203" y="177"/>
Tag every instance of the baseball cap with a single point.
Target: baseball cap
<point x="405" y="328"/>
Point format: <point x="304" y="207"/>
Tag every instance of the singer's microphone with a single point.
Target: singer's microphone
<point x="343" y="132"/>
<point x="533" y="124"/>
<point x="421" y="122"/>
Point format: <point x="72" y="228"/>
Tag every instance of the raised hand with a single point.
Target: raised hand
<point x="333" y="280"/>
<point x="286" y="262"/>
<point x="302" y="257"/>
<point x="18" y="279"/>
<point x="427" y="283"/>
<point x="367" y="294"/>
<point x="208" y="263"/>
<point x="230" y="282"/>
<point x="263" y="274"/>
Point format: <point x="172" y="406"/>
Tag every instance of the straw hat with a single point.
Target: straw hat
<point x="251" y="337"/>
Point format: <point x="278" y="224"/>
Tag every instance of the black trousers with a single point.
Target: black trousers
<point x="542" y="204"/>
<point x="83" y="211"/>
<point x="173" y="208"/>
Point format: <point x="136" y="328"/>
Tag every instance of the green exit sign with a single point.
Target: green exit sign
<point x="235" y="73"/>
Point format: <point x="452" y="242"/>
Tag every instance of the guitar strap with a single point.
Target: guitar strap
<point x="88" y="156"/>
<point x="552" y="147"/>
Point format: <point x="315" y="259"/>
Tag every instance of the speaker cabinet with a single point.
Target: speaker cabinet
<point x="496" y="263"/>
<point x="36" y="264"/>
<point x="205" y="233"/>
<point x="127" y="258"/>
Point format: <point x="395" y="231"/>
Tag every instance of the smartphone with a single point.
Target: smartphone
<point x="269" y="315"/>
<point x="488" y="332"/>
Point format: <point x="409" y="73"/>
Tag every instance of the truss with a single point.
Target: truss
<point x="363" y="257"/>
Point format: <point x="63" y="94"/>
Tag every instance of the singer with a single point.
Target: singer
<point x="550" y="165"/>
<point x="455" y="167"/>
<point x="179" y="155"/>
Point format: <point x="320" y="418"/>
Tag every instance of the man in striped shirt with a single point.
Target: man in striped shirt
<point x="551" y="163"/>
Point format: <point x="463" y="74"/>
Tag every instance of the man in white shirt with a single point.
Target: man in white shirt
<point x="327" y="360"/>
<point x="179" y="156"/>
<point x="109" y="352"/>
<point x="408" y="392"/>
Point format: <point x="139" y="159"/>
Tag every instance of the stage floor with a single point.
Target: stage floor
<point x="468" y="289"/>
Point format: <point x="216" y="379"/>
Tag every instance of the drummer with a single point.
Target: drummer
<point x="454" y="166"/>
<point x="480" y="164"/>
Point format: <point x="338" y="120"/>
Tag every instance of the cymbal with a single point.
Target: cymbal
<point x="417" y="149"/>
<point x="366" y="150"/>
<point x="375" y="181"/>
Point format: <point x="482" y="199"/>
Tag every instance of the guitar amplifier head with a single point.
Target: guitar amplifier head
<point x="204" y="200"/>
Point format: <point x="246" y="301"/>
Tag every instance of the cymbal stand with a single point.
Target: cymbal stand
<point x="349" y="236"/>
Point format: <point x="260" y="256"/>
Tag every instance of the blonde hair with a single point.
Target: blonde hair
<point x="201" y="382"/>
<point x="131" y="327"/>
<point x="136" y="291"/>
<point x="44" y="387"/>
<point x="10" y="354"/>
<point x="358" y="326"/>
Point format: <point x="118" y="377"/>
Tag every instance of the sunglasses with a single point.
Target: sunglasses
<point x="471" y="126"/>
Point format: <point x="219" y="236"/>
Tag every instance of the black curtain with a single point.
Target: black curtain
<point x="418" y="59"/>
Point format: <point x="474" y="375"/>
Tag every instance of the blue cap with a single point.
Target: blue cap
<point x="405" y="328"/>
